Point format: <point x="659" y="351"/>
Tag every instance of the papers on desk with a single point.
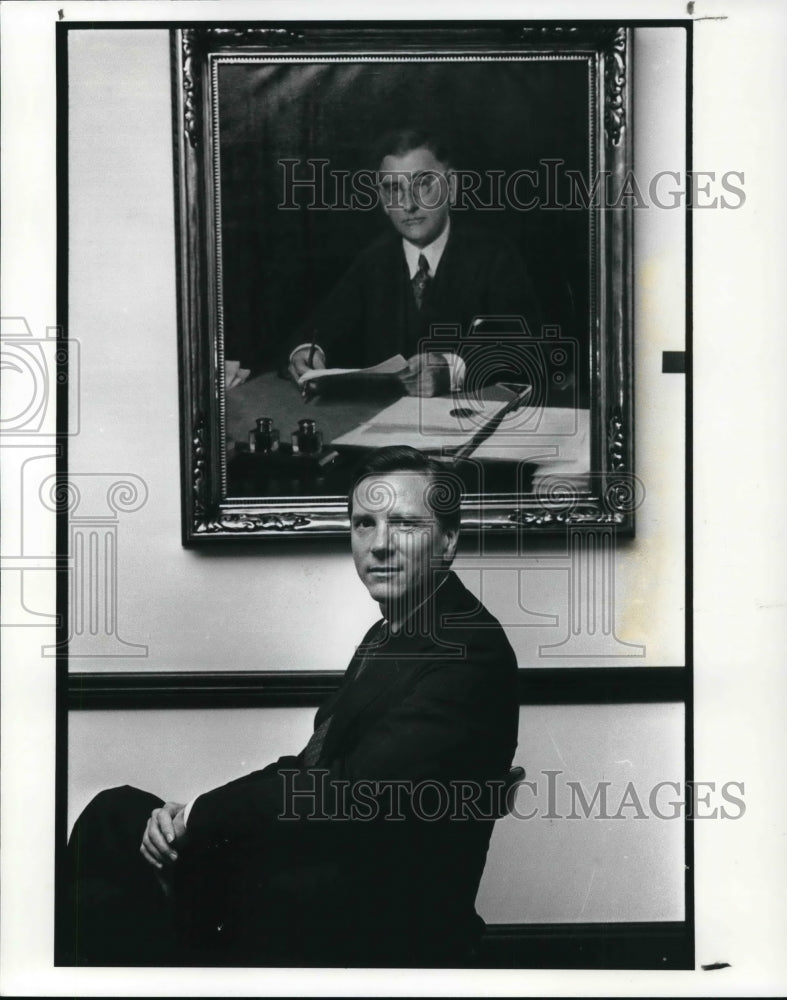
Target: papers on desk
<point x="432" y="424"/>
<point x="234" y="374"/>
<point x="559" y="445"/>
<point x="341" y="378"/>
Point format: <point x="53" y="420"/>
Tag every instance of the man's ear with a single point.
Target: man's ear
<point x="450" y="541"/>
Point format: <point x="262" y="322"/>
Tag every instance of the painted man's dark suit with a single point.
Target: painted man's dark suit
<point x="435" y="704"/>
<point x="371" y="313"/>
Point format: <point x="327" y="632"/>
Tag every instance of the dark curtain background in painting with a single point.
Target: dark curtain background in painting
<point x="496" y="115"/>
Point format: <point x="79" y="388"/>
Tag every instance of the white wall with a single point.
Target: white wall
<point x="300" y="607"/>
<point x="538" y="870"/>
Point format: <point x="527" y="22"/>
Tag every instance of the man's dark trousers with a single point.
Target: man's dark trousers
<point x="116" y="911"/>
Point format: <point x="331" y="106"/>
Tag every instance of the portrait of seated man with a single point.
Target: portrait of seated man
<point x="431" y="268"/>
<point x="366" y="848"/>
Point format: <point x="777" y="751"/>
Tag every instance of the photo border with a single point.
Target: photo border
<point x="625" y="945"/>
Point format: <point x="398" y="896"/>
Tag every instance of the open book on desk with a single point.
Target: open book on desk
<point x="458" y="422"/>
<point x="352" y="380"/>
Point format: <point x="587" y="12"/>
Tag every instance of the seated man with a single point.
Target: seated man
<point x="429" y="269"/>
<point x="366" y="848"/>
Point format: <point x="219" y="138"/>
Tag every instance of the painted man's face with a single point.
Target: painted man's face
<point x="415" y="192"/>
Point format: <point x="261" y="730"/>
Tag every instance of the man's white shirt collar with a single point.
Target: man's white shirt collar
<point x="433" y="252"/>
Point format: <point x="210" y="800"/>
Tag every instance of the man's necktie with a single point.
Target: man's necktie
<point x="373" y="644"/>
<point x="313" y="749"/>
<point x="420" y="279"/>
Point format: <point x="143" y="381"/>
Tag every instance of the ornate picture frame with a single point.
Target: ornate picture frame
<point x="551" y="105"/>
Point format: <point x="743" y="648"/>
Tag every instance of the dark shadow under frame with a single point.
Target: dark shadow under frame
<point x="206" y="512"/>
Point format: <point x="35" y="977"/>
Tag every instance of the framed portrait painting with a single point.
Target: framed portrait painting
<point x="404" y="235"/>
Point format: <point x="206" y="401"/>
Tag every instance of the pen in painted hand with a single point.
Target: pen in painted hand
<point x="308" y="391"/>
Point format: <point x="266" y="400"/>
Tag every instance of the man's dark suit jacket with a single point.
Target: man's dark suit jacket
<point x="371" y="314"/>
<point x="436" y="705"/>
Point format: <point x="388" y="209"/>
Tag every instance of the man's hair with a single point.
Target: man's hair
<point x="444" y="495"/>
<point x="404" y="140"/>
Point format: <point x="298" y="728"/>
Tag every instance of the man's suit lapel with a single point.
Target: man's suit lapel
<point x="357" y="696"/>
<point x="395" y="307"/>
<point x="393" y="667"/>
<point x="446" y="290"/>
<point x="408" y="311"/>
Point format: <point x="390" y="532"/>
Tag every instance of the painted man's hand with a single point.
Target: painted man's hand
<point x="427" y="375"/>
<point x="164" y="829"/>
<point x="299" y="362"/>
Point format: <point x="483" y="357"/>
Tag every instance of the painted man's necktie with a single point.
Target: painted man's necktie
<point x="420" y="279"/>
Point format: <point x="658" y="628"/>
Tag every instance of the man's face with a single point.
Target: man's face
<point x="397" y="543"/>
<point x="415" y="192"/>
